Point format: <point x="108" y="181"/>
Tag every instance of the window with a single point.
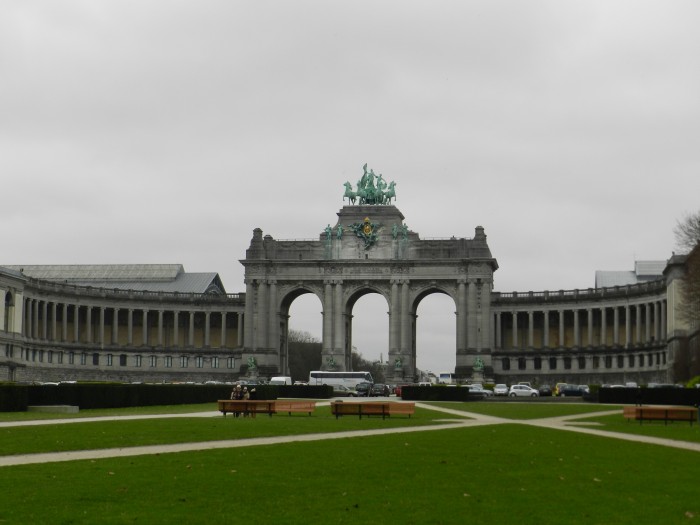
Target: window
<point x="596" y="362"/>
<point x="168" y="361"/>
<point x="630" y="360"/>
<point x="41" y="356"/>
<point x="49" y="356"/>
<point x="538" y="363"/>
<point x="83" y="358"/>
<point x="199" y="362"/>
<point x="505" y="363"/>
<point x="153" y="361"/>
<point x="137" y="360"/>
<point x="122" y="360"/>
<point x="96" y="359"/>
<point x="110" y="360"/>
<point x="620" y="361"/>
<point x="215" y="362"/>
<point x="567" y="363"/>
<point x="521" y="363"/>
<point x="231" y="362"/>
<point x="552" y="363"/>
<point x="608" y="361"/>
<point x="184" y="361"/>
<point x="581" y="363"/>
<point x="71" y="358"/>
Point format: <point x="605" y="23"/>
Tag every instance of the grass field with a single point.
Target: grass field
<point x="501" y="474"/>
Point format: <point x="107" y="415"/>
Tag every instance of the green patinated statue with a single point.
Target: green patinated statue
<point x="371" y="189"/>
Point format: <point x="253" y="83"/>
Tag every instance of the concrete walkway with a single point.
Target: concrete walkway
<point x="564" y="423"/>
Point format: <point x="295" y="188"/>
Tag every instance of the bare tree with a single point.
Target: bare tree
<point x="687" y="232"/>
<point x="299" y="336"/>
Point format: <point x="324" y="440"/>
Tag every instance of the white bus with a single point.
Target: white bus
<point x="348" y="379"/>
<point x="446" y="378"/>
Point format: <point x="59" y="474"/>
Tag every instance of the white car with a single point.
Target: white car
<point x="500" y="390"/>
<point x="522" y="390"/>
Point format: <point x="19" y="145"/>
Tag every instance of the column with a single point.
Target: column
<point x="102" y="325"/>
<point x="130" y="328"/>
<point x="461" y="315"/>
<point x="4" y="328"/>
<point x="45" y="320"/>
<point x="176" y="328"/>
<point x="35" y="318"/>
<point x="657" y="322"/>
<point x="338" y="312"/>
<point x="274" y="320"/>
<point x="115" y="326"/>
<point x="647" y="328"/>
<point x="88" y="324"/>
<point x="405" y="319"/>
<point x="241" y="321"/>
<point x="327" y="327"/>
<point x="471" y="314"/>
<point x="190" y="335"/>
<point x="76" y="323"/>
<point x="395" y="319"/>
<point x="54" y="322"/>
<point x="589" y="314"/>
<point x="545" y="335"/>
<point x="663" y="320"/>
<point x="628" y="327"/>
<point x="638" y="323"/>
<point x="144" y="328"/>
<point x="223" y="330"/>
<point x="249" y="335"/>
<point x="577" y="329"/>
<point x="262" y="320"/>
<point x="530" y="329"/>
<point x="207" y="329"/>
<point x="616" y="326"/>
<point x="603" y="327"/>
<point x="64" y="331"/>
<point x="562" y="333"/>
<point x="160" y="328"/>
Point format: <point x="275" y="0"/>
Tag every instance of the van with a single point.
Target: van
<point x="281" y="380"/>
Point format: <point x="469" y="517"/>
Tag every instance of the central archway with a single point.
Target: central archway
<point x="339" y="268"/>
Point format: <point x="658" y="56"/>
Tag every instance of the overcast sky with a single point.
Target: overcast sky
<point x="166" y="131"/>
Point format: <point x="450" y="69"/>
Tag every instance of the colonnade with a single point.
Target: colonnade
<point x="603" y="325"/>
<point x="64" y="322"/>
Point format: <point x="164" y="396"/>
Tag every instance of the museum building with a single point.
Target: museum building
<point x="159" y="323"/>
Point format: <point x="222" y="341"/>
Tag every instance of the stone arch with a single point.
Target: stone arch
<point x="352" y="296"/>
<point x="423" y="291"/>
<point x="380" y="256"/>
<point x="288" y="296"/>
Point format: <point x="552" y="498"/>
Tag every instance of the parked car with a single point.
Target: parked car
<point x="480" y="390"/>
<point x="379" y="390"/>
<point x="555" y="392"/>
<point x="343" y="391"/>
<point x="545" y="390"/>
<point x="567" y="390"/>
<point x="522" y="390"/>
<point x="363" y="389"/>
<point x="500" y="390"/>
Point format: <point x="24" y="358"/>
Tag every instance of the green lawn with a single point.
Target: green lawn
<point x="508" y="473"/>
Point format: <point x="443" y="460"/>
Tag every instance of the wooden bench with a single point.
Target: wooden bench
<point x="264" y="406"/>
<point x="660" y="413"/>
<point x="371" y="408"/>
<point x="295" y="406"/>
<point x="247" y="407"/>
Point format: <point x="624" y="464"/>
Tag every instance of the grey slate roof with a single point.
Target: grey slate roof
<point x="150" y="277"/>
<point x="643" y="271"/>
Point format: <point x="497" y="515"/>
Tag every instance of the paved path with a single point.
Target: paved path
<point x="564" y="423"/>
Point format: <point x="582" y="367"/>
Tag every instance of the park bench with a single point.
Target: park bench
<point x="371" y="408"/>
<point x="264" y="406"/>
<point x="294" y="406"/>
<point x="660" y="413"/>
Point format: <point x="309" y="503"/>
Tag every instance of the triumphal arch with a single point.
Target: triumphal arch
<point x="369" y="249"/>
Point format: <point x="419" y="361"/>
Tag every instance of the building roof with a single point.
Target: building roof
<point x="147" y="277"/>
<point x="643" y="271"/>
